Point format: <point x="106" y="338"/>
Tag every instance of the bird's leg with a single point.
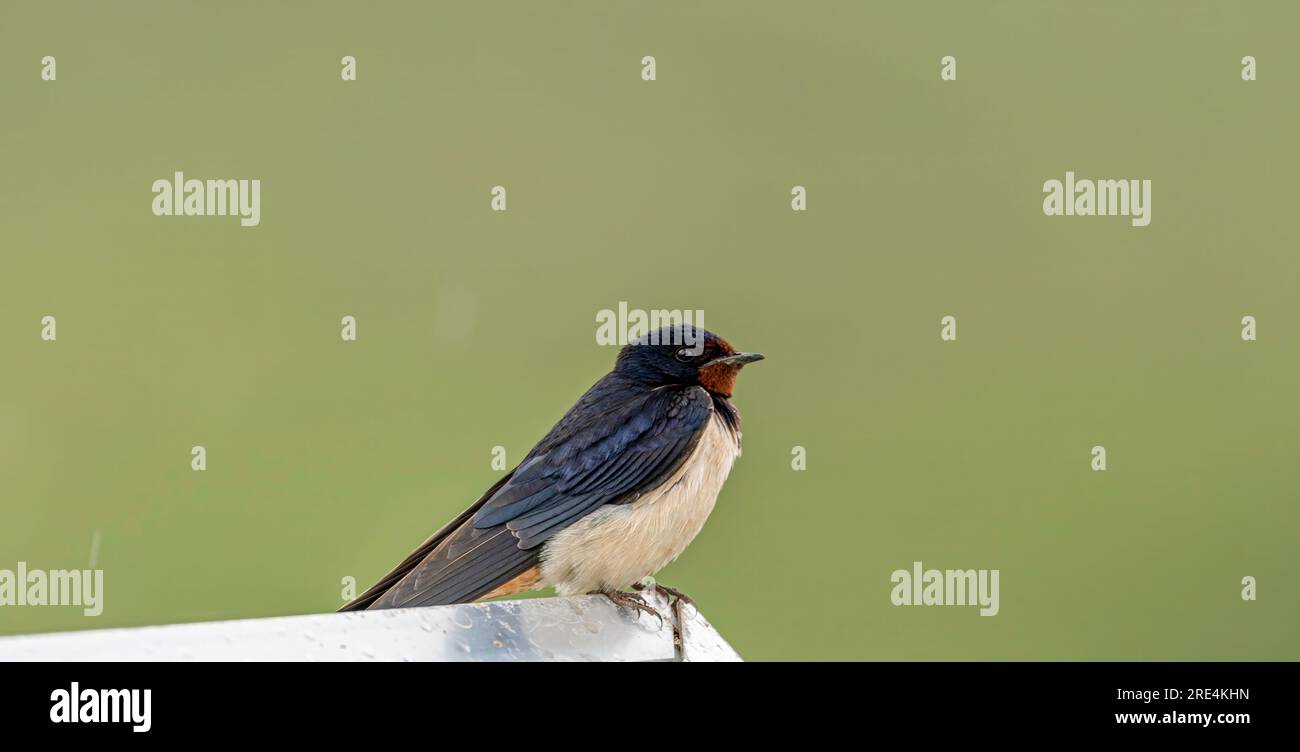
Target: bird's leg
<point x="672" y="595"/>
<point x="676" y="595"/>
<point x="676" y="599"/>
<point x="632" y="601"/>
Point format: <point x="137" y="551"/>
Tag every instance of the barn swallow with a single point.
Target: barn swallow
<point x="613" y="493"/>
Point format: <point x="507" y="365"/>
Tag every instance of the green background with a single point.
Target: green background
<point x="328" y="459"/>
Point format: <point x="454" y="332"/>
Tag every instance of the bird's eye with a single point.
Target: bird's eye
<point x="688" y="354"/>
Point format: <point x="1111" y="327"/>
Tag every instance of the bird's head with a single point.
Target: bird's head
<point x="684" y="354"/>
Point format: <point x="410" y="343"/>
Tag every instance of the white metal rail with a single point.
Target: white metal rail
<point x="582" y="628"/>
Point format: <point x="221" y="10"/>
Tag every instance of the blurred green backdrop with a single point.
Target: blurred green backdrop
<point x="328" y="459"/>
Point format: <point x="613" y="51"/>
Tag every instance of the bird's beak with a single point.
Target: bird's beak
<point x="739" y="359"/>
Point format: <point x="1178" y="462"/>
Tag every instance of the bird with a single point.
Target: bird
<point x="615" y="491"/>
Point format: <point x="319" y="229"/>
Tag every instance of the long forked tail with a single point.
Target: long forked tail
<point x="457" y="564"/>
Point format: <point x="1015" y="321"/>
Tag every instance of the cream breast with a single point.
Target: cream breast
<point x="619" y="544"/>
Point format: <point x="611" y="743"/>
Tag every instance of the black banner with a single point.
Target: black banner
<point x="339" y="701"/>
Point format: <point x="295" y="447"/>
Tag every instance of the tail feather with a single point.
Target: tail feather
<point x="448" y="559"/>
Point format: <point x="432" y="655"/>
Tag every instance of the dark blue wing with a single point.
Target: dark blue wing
<point x="616" y="443"/>
<point x="612" y="457"/>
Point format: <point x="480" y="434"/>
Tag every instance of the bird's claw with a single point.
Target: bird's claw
<point x="632" y="601"/>
<point x="671" y="594"/>
<point x="675" y="595"/>
<point x="676" y="600"/>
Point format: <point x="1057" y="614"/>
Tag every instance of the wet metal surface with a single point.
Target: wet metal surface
<point x="582" y="628"/>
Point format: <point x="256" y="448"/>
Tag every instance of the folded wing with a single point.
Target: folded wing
<point x="604" y="451"/>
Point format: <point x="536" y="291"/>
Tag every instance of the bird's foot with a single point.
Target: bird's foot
<point x="671" y="594"/>
<point x="677" y="600"/>
<point x="677" y="596"/>
<point x="632" y="601"/>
